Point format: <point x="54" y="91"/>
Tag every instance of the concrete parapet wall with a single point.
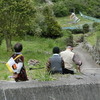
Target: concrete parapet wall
<point x="72" y="88"/>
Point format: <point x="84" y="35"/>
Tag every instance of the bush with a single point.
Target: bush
<point x="98" y="28"/>
<point x="69" y="38"/>
<point x="51" y="28"/>
<point x="90" y="7"/>
<point x="86" y="28"/>
<point x="95" y="24"/>
<point x="60" y="9"/>
<point x="77" y="31"/>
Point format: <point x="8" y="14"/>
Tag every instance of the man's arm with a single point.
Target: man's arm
<point x="76" y="60"/>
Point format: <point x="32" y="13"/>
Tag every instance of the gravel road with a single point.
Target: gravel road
<point x="88" y="65"/>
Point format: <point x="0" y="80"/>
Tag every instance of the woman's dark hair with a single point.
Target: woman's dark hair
<point x="56" y="50"/>
<point x="18" y="47"/>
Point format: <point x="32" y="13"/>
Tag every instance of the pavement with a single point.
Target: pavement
<point x="89" y="67"/>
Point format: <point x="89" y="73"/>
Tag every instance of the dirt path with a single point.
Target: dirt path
<point x="89" y="66"/>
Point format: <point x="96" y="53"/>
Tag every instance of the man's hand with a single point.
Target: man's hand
<point x="79" y="69"/>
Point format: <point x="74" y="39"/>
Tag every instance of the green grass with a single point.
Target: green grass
<point x="92" y="39"/>
<point x="39" y="49"/>
<point x="64" y="21"/>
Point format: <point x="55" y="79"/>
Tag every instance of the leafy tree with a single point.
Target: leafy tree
<point x="15" y="18"/>
<point x="89" y="7"/>
<point x="52" y="29"/>
<point x="60" y="9"/>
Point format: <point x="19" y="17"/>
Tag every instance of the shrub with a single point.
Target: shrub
<point x="77" y="31"/>
<point x="69" y="39"/>
<point x="86" y="28"/>
<point x="98" y="28"/>
<point x="51" y="28"/>
<point x="60" y="9"/>
<point x="95" y="24"/>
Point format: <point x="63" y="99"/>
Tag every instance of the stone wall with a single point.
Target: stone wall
<point x="93" y="50"/>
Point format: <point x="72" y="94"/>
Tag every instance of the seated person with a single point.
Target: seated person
<point x="69" y="58"/>
<point x="55" y="63"/>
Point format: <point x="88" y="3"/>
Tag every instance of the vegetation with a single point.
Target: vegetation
<point x="86" y="28"/>
<point x="94" y="37"/>
<point x="51" y="28"/>
<point x="35" y="48"/>
<point x="32" y="17"/>
<point x="66" y="7"/>
<point x="15" y="19"/>
<point x="37" y="28"/>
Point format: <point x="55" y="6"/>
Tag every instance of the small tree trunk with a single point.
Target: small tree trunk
<point x="8" y="41"/>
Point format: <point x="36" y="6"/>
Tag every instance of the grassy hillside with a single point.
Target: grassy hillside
<point x="39" y="49"/>
<point x="64" y="22"/>
<point x="36" y="48"/>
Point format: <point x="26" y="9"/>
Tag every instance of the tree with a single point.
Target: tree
<point x="52" y="27"/>
<point x="15" y="18"/>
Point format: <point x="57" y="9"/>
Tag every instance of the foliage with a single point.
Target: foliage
<point x="86" y="28"/>
<point x="38" y="26"/>
<point x="15" y="18"/>
<point x="26" y="11"/>
<point x="98" y="37"/>
<point x="77" y="31"/>
<point x="19" y="18"/>
<point x="51" y="27"/>
<point x="92" y="39"/>
<point x="39" y="1"/>
<point x="98" y="28"/>
<point x="60" y="9"/>
<point x="69" y="39"/>
<point x="95" y="24"/>
<point x="88" y="7"/>
<point x="32" y="50"/>
<point x="43" y="76"/>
